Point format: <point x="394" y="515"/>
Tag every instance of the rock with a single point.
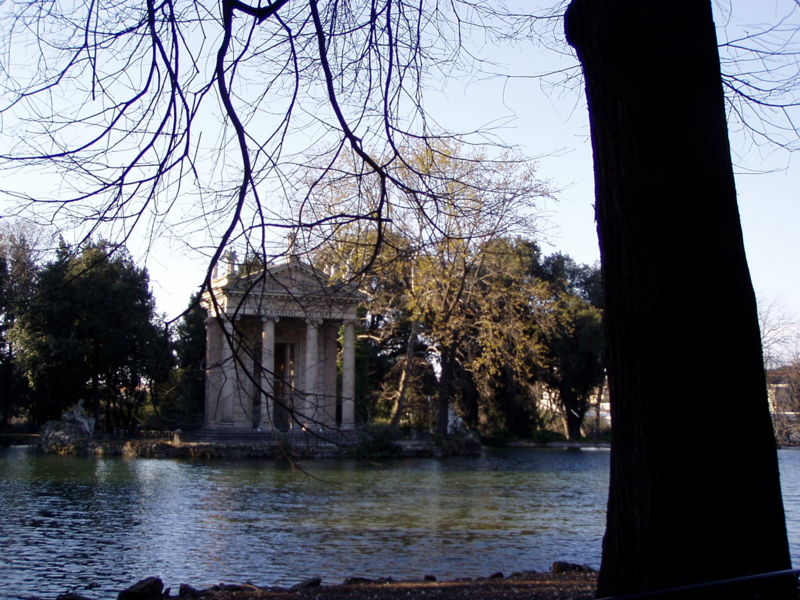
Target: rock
<point x="498" y="575"/>
<point x="308" y="583"/>
<point x="146" y="589"/>
<point x="187" y="591"/>
<point x="568" y="567"/>
<point x="357" y="581"/>
<point x="237" y="587"/>
<point x="429" y="578"/>
<point x="523" y="574"/>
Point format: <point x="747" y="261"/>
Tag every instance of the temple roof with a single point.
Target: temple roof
<point x="291" y="288"/>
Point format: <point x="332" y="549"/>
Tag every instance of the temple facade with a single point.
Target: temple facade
<point x="272" y="345"/>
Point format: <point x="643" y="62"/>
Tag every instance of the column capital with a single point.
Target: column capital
<point x="266" y="318"/>
<point x="315" y="321"/>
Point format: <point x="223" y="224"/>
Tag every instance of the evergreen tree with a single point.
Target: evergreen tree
<point x="89" y="333"/>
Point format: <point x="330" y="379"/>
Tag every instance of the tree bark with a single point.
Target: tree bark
<point x="694" y="490"/>
<point x="405" y="376"/>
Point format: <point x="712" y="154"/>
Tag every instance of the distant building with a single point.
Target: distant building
<point x="272" y="348"/>
<point x="782" y="389"/>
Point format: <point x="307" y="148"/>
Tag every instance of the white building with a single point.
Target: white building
<point x="272" y="348"/>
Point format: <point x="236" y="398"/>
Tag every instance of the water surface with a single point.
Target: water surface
<point x="95" y="526"/>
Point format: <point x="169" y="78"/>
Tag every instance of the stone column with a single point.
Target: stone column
<point x="228" y="385"/>
<point x="310" y="382"/>
<point x="267" y="370"/>
<point x="213" y="370"/>
<point x="349" y="375"/>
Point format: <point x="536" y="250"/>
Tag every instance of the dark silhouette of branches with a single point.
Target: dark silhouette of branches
<point x="198" y="119"/>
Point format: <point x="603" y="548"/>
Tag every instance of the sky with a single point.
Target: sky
<point x="551" y="124"/>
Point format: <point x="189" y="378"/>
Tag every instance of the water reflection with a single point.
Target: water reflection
<point x="71" y="524"/>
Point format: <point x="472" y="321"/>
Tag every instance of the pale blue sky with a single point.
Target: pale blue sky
<point x="552" y="124"/>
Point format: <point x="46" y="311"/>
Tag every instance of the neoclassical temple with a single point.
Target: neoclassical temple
<point x="272" y="347"/>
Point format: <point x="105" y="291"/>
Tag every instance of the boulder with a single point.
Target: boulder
<point x="308" y="583"/>
<point x="568" y="567"/>
<point x="187" y="591"/>
<point x="151" y="588"/>
<point x="357" y="581"/>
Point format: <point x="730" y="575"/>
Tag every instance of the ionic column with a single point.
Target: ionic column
<point x="311" y="383"/>
<point x="227" y="371"/>
<point x="349" y="375"/>
<point x="267" y="369"/>
<point x="212" y="382"/>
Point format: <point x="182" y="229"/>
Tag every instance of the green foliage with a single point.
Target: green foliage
<point x="546" y="436"/>
<point x="377" y="441"/>
<point x="454" y="291"/>
<point x="179" y="402"/>
<point x="565" y="276"/>
<point x="89" y="333"/>
<point x="574" y="358"/>
<point x="18" y="269"/>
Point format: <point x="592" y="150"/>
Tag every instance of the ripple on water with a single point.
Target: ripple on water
<point x="97" y="525"/>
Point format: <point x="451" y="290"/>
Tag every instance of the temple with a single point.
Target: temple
<point x="273" y="346"/>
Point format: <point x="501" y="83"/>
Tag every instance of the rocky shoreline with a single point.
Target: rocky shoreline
<point x="67" y="438"/>
<point x="564" y="581"/>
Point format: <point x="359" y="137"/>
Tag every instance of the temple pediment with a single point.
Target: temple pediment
<point x="293" y="288"/>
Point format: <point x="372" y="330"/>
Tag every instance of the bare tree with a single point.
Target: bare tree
<point x="779" y="332"/>
<point x="198" y="120"/>
<point x="454" y="205"/>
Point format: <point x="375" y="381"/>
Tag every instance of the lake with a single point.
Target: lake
<point x="95" y="526"/>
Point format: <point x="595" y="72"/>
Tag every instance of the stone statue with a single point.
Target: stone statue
<point x="230" y="262"/>
<point x="77" y="416"/>
<point x="455" y="424"/>
<point x="71" y="435"/>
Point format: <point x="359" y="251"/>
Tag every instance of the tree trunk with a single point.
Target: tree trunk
<point x="405" y="376"/>
<point x="98" y="414"/>
<point x="694" y="490"/>
<point x="572" y="415"/>
<point x="597" y="409"/>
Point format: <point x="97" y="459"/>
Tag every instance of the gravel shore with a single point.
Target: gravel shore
<point x="529" y="585"/>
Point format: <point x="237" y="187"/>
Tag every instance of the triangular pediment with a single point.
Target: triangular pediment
<point x="293" y="278"/>
<point x="295" y="274"/>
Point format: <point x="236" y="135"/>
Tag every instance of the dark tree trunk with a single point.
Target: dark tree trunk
<point x="98" y="413"/>
<point x="405" y="377"/>
<point x="695" y="492"/>
<point x="574" y="411"/>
